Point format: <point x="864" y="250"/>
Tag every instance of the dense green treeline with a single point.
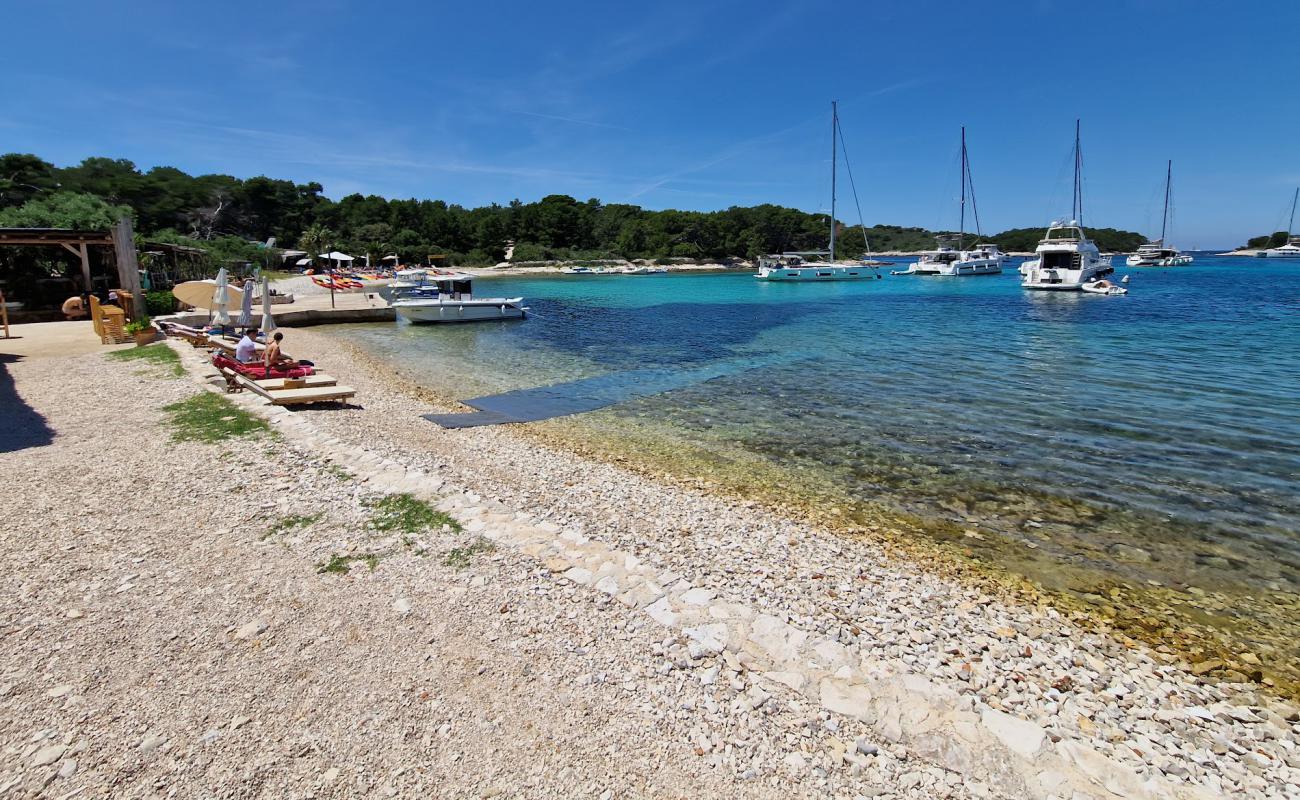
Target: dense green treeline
<point x="1276" y="239"/>
<point x="221" y="214"/>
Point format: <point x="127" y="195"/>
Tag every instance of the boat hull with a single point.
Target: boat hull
<point x="814" y="274"/>
<point x="462" y="311"/>
<point x="1175" y="261"/>
<point x="961" y="269"/>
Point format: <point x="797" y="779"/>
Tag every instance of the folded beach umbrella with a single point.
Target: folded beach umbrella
<point x="221" y="300"/>
<point x="268" y="321"/>
<point x="246" y="305"/>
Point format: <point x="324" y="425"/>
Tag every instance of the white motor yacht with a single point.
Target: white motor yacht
<point x="1066" y="259"/>
<point x="793" y="267"/>
<point x="447" y="296"/>
<point x="1157" y="253"/>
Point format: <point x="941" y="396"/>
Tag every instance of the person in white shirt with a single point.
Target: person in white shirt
<point x="246" y="350"/>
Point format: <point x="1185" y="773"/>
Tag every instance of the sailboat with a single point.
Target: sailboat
<point x="1066" y="259"/>
<point x="1157" y="253"/>
<point x="1292" y="247"/>
<point x="792" y="267"/>
<point x="982" y="259"/>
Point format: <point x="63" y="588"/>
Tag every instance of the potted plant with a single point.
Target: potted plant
<point x="143" y="331"/>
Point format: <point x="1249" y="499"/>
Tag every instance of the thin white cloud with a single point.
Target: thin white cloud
<point x="572" y="120"/>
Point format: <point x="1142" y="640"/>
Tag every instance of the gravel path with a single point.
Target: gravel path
<point x="166" y="633"/>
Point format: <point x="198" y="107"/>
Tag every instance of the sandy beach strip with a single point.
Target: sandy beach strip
<point x="621" y="636"/>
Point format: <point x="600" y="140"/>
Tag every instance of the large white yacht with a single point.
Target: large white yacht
<point x="954" y="261"/>
<point x="1065" y="260"/>
<point x="448" y="296"/>
<point x="1157" y="253"/>
<point x="787" y="268"/>
<point x="1292" y="247"/>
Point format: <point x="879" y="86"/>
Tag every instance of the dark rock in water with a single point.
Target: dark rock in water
<point x="1126" y="552"/>
<point x="1211" y="560"/>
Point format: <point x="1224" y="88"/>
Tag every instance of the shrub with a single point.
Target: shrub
<point x="159" y="302"/>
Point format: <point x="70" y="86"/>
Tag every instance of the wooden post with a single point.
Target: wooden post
<point x="128" y="268"/>
<point x="4" y="314"/>
<point x="80" y="252"/>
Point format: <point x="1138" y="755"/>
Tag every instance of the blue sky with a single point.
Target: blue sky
<point x="698" y="105"/>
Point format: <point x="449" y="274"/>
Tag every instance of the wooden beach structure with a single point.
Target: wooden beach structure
<point x="120" y="239"/>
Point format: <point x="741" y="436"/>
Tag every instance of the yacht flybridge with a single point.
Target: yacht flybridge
<point x="1066" y="260"/>
<point x="792" y="267"/>
<point x="1292" y="247"/>
<point x="953" y="261"/>
<point x="447" y="296"/>
<point x="1157" y="253"/>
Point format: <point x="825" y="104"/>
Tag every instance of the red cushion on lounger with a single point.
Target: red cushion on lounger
<point x="258" y="372"/>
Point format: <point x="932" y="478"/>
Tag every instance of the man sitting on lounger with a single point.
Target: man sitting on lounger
<point x="246" y="350"/>
<point x="272" y="357"/>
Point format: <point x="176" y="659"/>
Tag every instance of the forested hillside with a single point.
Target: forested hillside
<point x="223" y="214"/>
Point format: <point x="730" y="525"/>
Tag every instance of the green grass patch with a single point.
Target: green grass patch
<point x="338" y="472"/>
<point x="402" y="512"/>
<point x="157" y="355"/>
<point x="460" y="557"/>
<point x="208" y="417"/>
<point x="342" y="565"/>
<point x="292" y="522"/>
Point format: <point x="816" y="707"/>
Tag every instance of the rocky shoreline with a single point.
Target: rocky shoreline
<point x="742" y="651"/>
<point x="853" y="589"/>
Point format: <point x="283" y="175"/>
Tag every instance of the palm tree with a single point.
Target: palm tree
<point x="316" y="240"/>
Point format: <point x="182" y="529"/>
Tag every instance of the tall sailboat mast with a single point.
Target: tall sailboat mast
<point x="835" y="127"/>
<point x="1164" y="219"/>
<point x="1076" y="210"/>
<point x="1290" y="224"/>
<point x="961" y="230"/>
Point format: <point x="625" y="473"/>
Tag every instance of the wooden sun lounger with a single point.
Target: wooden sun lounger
<point x="289" y="397"/>
<point x="194" y="336"/>
<point x="313" y="382"/>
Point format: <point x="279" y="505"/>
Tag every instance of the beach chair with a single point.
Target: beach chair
<point x="308" y="382"/>
<point x="292" y="397"/>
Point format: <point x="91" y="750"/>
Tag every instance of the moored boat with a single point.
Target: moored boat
<point x="1292" y="247"/>
<point x="953" y="261"/>
<point x="793" y="268"/>
<point x="1157" y="253"/>
<point x="447" y="296"/>
<point x="1103" y="286"/>
<point x="1066" y="259"/>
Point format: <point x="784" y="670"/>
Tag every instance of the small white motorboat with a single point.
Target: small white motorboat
<point x="1103" y="286"/>
<point x="447" y="296"/>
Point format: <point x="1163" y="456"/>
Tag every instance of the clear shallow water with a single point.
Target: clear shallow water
<point x="1074" y="425"/>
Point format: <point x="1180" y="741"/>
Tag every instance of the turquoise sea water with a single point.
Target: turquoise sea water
<point x="1155" y="436"/>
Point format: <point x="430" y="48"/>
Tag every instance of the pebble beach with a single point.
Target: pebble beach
<point x="589" y="631"/>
